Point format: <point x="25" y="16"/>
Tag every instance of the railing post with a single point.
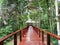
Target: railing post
<point x="39" y="33"/>
<point x="42" y="37"/>
<point x="20" y="36"/>
<point x="1" y="43"/>
<point x="48" y="39"/>
<point x="15" y="39"/>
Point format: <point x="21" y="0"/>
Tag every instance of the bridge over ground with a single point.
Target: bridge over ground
<point x="31" y="35"/>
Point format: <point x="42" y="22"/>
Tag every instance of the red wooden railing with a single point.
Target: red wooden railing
<point x="15" y="36"/>
<point x="42" y="31"/>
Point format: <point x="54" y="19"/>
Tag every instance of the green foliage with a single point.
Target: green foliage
<point x="17" y="17"/>
<point x="5" y="31"/>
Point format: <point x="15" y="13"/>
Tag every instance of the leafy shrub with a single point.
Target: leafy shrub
<point x="5" y="31"/>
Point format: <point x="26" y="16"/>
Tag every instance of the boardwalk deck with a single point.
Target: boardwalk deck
<point x="30" y="38"/>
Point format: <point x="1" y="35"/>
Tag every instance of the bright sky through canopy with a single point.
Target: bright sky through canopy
<point x="1" y="1"/>
<point x="58" y="0"/>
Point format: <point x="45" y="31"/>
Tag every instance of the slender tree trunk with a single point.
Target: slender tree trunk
<point x="58" y="23"/>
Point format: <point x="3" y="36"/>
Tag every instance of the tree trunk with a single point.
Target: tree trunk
<point x="58" y="23"/>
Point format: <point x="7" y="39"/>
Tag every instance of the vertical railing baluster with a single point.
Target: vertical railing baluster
<point x="48" y="39"/>
<point x="39" y="33"/>
<point x="20" y="36"/>
<point x="15" y="39"/>
<point x="1" y="43"/>
<point x="42" y="37"/>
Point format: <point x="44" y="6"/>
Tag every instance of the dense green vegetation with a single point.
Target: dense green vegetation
<point x="15" y="15"/>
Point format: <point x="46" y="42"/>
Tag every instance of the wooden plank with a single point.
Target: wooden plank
<point x="32" y="38"/>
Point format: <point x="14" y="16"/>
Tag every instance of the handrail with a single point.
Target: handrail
<point x="6" y="37"/>
<point x="53" y="35"/>
<point x="12" y="34"/>
<point x="42" y="31"/>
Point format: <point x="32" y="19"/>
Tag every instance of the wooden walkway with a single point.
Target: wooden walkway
<point x="31" y="35"/>
<point x="31" y="38"/>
